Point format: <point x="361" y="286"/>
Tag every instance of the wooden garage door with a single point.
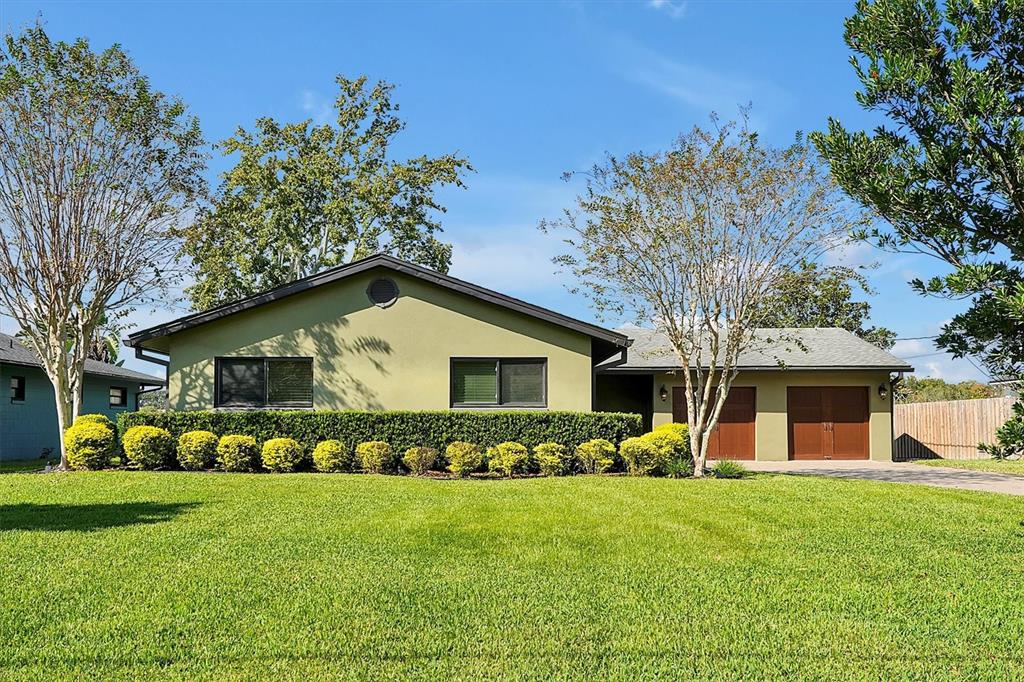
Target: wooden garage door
<point x="733" y="437"/>
<point x="828" y="422"/>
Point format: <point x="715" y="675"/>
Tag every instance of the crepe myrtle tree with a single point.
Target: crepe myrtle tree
<point x="96" y="168"/>
<point x="692" y="239"/>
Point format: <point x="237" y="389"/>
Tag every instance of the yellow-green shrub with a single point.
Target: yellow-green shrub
<point x="197" y="450"/>
<point x="641" y="456"/>
<point x="332" y="455"/>
<point x="419" y="460"/>
<point x="282" y="455"/>
<point x="463" y="458"/>
<point x="552" y="459"/>
<point x="680" y="429"/>
<point x="596" y="456"/>
<point x="95" y="418"/>
<point x="376" y="457"/>
<point x="669" y="443"/>
<point x="237" y="453"/>
<point x="90" y="443"/>
<point x="508" y="458"/>
<point x="148" y="447"/>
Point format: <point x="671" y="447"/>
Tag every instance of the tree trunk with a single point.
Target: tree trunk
<point x="698" y="450"/>
<point x="65" y="415"/>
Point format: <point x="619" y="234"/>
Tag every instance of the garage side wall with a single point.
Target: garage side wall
<point x="772" y="425"/>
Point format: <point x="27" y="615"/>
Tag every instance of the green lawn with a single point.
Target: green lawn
<point x="217" y="576"/>
<point x="1015" y="467"/>
<point x="17" y="466"/>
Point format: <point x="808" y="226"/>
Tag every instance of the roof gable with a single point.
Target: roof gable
<point x="341" y="272"/>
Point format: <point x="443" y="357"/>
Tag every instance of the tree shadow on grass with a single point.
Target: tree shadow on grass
<point x="86" y="517"/>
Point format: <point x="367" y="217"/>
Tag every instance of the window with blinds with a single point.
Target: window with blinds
<point x="499" y="381"/>
<point x="264" y="382"/>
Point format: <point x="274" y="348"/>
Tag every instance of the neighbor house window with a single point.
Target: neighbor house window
<point x="118" y="396"/>
<point x="491" y="382"/>
<point x="17" y="389"/>
<point x="264" y="382"/>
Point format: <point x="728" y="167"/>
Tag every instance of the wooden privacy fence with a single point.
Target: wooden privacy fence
<point x="948" y="429"/>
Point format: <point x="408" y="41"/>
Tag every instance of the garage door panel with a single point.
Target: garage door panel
<point x="828" y="422"/>
<point x="733" y="437"/>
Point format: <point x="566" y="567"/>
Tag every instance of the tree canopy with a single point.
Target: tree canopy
<point x="97" y="170"/>
<point x="812" y="295"/>
<point x="948" y="175"/>
<point x="692" y="239"/>
<point x="303" y="197"/>
<point x="926" y="390"/>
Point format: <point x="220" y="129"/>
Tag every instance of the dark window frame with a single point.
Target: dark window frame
<point x="18" y="393"/>
<point x="265" y="405"/>
<point x="124" y="394"/>
<point x="543" y="361"/>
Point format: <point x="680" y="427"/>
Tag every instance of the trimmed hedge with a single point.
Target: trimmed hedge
<point x="403" y="430"/>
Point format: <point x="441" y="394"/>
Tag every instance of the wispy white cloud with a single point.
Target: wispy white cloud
<point x="675" y="9"/>
<point x="704" y="89"/>
<point x="319" y="108"/>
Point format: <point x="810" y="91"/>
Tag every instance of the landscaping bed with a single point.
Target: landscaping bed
<point x="995" y="466"/>
<point x="137" y="575"/>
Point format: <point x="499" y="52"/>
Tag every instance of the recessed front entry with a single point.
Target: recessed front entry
<point x="828" y="422"/>
<point x="733" y="437"/>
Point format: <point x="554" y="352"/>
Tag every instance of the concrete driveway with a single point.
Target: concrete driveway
<point x="899" y="472"/>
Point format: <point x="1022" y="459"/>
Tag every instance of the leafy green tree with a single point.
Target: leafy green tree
<point x="304" y="197"/>
<point x="815" y="296"/>
<point x="97" y="170"/>
<point x="915" y="390"/>
<point x="948" y="175"/>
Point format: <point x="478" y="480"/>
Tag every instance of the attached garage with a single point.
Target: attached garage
<point x="828" y="422"/>
<point x="733" y="437"/>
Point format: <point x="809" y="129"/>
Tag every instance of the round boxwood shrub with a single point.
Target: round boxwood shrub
<point x="90" y="443"/>
<point x="463" y="458"/>
<point x="376" y="457"/>
<point x="671" y="445"/>
<point x="95" y="419"/>
<point x="419" y="460"/>
<point x="508" y="458"/>
<point x="282" y="455"/>
<point x="332" y="455"/>
<point x="197" y="450"/>
<point x="237" y="453"/>
<point x="641" y="456"/>
<point x="552" y="459"/>
<point x="148" y="447"/>
<point x="596" y="456"/>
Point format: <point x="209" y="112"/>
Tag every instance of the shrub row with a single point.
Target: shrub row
<point x="403" y="430"/>
<point x="92" y="443"/>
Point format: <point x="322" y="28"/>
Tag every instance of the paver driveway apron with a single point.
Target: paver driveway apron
<point x="899" y="472"/>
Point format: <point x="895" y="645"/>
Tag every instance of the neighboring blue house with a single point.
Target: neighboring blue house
<point x="28" y="411"/>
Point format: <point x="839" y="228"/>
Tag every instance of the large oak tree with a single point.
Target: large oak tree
<point x="302" y="197"/>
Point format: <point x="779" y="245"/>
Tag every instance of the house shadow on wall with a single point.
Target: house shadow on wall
<point x="335" y="384"/>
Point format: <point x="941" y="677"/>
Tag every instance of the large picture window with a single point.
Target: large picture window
<point x="264" y="382"/>
<point x="494" y="382"/>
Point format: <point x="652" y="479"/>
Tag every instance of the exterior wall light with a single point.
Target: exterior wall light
<point x="663" y="393"/>
<point x="883" y="391"/>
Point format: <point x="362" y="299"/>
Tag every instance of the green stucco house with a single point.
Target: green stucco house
<point x="28" y="411"/>
<point x="382" y="333"/>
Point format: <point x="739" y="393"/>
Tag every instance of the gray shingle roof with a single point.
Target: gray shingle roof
<point x="823" y="348"/>
<point x="14" y="352"/>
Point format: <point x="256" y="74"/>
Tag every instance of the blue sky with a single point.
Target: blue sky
<point x="526" y="90"/>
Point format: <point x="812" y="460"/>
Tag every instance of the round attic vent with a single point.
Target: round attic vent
<point x="382" y="292"/>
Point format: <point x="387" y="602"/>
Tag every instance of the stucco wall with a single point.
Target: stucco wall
<point x="771" y="428"/>
<point x="28" y="428"/>
<point x="365" y="357"/>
